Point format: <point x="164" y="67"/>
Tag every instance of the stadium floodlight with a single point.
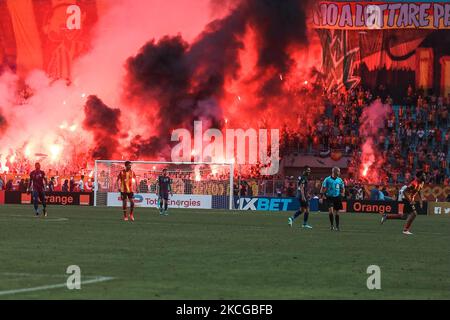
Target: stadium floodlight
<point x="204" y="185"/>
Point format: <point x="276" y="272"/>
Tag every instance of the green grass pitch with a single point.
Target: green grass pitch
<point x="218" y="255"/>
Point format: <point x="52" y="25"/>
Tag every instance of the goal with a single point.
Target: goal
<point x="195" y="185"/>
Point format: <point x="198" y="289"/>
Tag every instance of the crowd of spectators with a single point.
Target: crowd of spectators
<point x="415" y="135"/>
<point x="53" y="184"/>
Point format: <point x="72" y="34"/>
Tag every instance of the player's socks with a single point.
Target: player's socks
<point x="331" y="217"/>
<point x="296" y="214"/>
<point x="305" y="217"/>
<point x="337" y="222"/>
<point x="132" y="211"/>
<point x="407" y="225"/>
<point x="45" y="212"/>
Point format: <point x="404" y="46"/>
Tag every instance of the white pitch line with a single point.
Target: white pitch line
<point x="21" y="274"/>
<point x="36" y="218"/>
<point x="54" y="286"/>
<point x="55" y="219"/>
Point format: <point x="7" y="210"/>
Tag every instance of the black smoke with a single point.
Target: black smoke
<point x="187" y="81"/>
<point x="279" y="25"/>
<point x="3" y="124"/>
<point x="104" y="123"/>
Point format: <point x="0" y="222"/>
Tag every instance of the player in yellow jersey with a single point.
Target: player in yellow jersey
<point x="125" y="181"/>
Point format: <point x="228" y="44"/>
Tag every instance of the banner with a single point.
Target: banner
<point x="381" y="15"/>
<point x="52" y="198"/>
<point x="266" y="204"/>
<point x="380" y="207"/>
<point x="439" y="209"/>
<point x="150" y="200"/>
<point x="292" y="204"/>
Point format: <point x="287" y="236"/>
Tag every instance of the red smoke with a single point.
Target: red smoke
<point x="157" y="66"/>
<point x="372" y="126"/>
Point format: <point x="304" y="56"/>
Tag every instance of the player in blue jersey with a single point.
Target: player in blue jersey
<point x="332" y="191"/>
<point x="303" y="198"/>
<point x="164" y="187"/>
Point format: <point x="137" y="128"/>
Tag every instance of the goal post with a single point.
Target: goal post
<point x="203" y="185"/>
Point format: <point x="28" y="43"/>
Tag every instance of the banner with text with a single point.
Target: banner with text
<point x="266" y="203"/>
<point x="381" y="15"/>
<point x="150" y="200"/>
<point x="52" y="198"/>
<point x="381" y="207"/>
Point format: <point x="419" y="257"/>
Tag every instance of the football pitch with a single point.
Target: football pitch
<point x="207" y="254"/>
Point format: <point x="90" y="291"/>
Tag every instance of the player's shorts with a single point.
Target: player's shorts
<point x="334" y="202"/>
<point x="303" y="204"/>
<point x="127" y="195"/>
<point x="409" y="207"/>
<point x="164" y="195"/>
<point x="39" y="196"/>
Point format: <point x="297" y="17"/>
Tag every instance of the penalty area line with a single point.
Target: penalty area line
<point x="53" y="286"/>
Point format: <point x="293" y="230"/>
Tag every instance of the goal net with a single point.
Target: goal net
<point x="194" y="185"/>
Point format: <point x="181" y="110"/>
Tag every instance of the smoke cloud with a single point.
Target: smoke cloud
<point x="3" y="123"/>
<point x="174" y="83"/>
<point x="104" y="124"/>
<point x="169" y="65"/>
<point x="372" y="125"/>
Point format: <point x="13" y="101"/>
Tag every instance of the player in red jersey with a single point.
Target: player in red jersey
<point x="37" y="184"/>
<point x="414" y="189"/>
<point x="125" y="181"/>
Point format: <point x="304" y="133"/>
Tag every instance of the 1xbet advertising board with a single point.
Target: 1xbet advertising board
<point x="266" y="204"/>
